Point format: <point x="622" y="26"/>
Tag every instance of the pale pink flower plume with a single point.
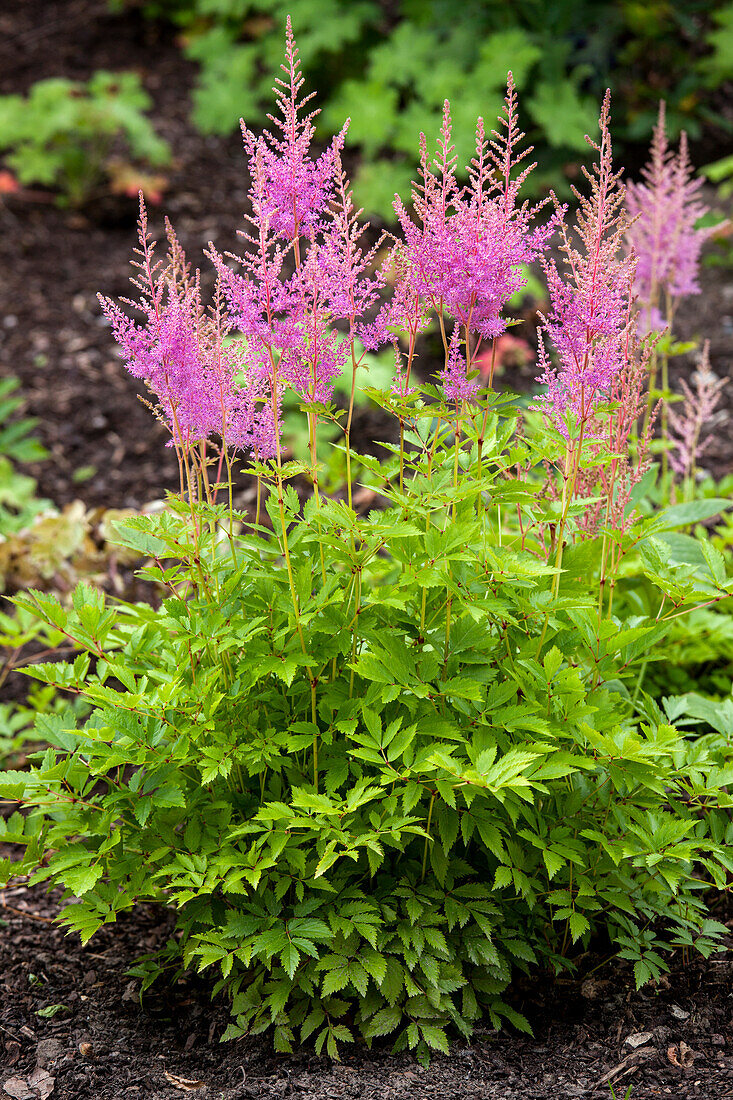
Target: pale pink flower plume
<point x="664" y="210"/>
<point x="690" y="423"/>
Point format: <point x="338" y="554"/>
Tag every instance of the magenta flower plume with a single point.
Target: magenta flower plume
<point x="303" y="267"/>
<point x="465" y="249"/>
<point x="180" y="352"/>
<point x="287" y="316"/>
<point x="352" y="280"/>
<point x="296" y="186"/>
<point x="589" y="309"/>
<point x="664" y="209"/>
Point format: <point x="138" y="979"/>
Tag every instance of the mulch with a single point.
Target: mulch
<point x="591" y="1032"/>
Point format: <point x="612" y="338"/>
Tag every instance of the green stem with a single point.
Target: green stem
<point x="313" y="444"/>
<point x="482" y="433"/>
<point x="568" y="491"/>
<point x="289" y="567"/>
<point x="567" y="501"/>
<point x="427" y="838"/>
<point x="347" y="431"/>
<point x="357" y="610"/>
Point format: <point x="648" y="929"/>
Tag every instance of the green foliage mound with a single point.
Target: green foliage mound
<point x="62" y="134"/>
<point x="371" y="797"/>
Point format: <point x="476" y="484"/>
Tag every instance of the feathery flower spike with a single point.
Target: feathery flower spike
<point x="664" y="209"/>
<point x="589" y="299"/>
<point x="689" y="426"/>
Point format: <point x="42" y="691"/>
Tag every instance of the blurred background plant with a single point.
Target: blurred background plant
<point x="65" y="134"/>
<point x="18" y="502"/>
<point x="390" y="65"/>
<point x="43" y="548"/>
<point x="19" y="506"/>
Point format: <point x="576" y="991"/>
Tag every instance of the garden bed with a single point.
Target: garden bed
<point x="71" y="1024"/>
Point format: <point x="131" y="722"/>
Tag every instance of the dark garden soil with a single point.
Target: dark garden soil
<point x="590" y="1032"/>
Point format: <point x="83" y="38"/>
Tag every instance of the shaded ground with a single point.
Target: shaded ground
<point x="674" y="1041"/>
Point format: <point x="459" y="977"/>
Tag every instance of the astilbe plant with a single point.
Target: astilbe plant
<point x="665" y="236"/>
<point x="376" y="763"/>
<point x="665" y="209"/>
<point x="689" y="427"/>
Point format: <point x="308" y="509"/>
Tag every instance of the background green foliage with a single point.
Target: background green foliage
<point x="38" y="546"/>
<point x="390" y="66"/>
<point x="63" y="133"/>
<point x="18" y="501"/>
<point x="19" y="507"/>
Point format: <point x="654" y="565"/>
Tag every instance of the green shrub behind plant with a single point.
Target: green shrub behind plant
<point x="62" y="133"/>
<point x="390" y="66"/>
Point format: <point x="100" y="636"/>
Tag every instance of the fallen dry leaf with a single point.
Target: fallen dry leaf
<point x="687" y="1055"/>
<point x="185" y="1084"/>
<point x="42" y="1083"/>
<point x="682" y="1055"/>
<point x="640" y="1039"/>
<point x="18" y="1088"/>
